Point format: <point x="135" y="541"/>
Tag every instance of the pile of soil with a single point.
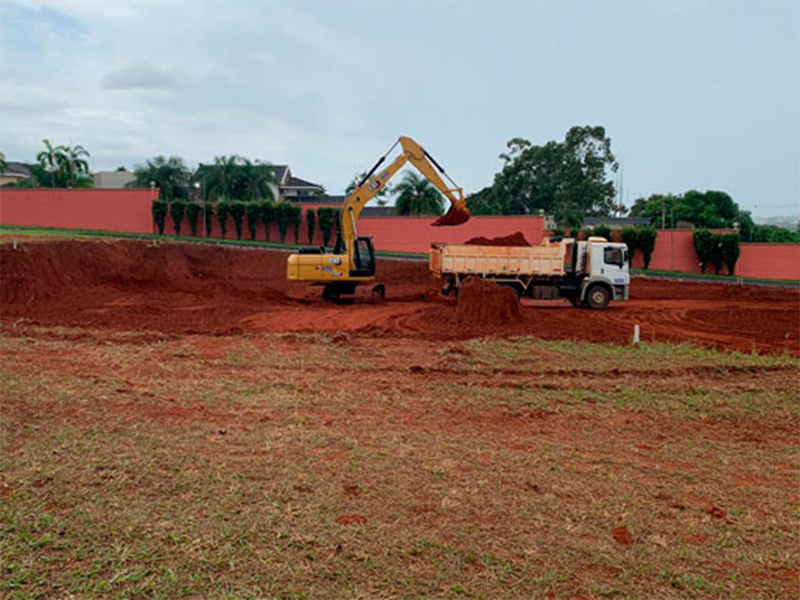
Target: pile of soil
<point x="515" y="239"/>
<point x="483" y="304"/>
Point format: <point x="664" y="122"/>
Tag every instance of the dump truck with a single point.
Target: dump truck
<point x="589" y="274"/>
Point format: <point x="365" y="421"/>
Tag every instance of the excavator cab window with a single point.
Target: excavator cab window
<point x="364" y="257"/>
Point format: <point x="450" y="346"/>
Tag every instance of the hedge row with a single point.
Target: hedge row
<point x="717" y="249"/>
<point x="286" y="215"/>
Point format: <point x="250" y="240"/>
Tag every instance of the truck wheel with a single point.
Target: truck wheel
<point x="598" y="297"/>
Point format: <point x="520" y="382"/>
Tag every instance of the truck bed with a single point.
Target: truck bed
<point x="498" y="261"/>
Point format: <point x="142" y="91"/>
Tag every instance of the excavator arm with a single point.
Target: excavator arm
<point x="372" y="183"/>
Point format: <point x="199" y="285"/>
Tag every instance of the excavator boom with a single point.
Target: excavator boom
<point x="352" y="262"/>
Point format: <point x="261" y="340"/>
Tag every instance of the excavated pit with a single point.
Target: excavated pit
<point x="188" y="288"/>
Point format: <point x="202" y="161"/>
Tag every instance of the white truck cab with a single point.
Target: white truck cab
<point x="603" y="267"/>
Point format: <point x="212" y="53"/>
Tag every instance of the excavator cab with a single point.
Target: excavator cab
<point x="363" y="257"/>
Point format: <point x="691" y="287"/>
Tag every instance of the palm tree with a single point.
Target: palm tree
<point x="220" y="177"/>
<point x="168" y="174"/>
<point x="237" y="178"/>
<point x="74" y="163"/>
<point x="52" y="159"/>
<point x="417" y="196"/>
<point x="254" y="181"/>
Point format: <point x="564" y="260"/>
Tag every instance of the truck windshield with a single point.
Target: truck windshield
<point x="613" y="256"/>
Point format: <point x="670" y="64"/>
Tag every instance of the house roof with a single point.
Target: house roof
<point x="616" y="221"/>
<point x="297" y="182"/>
<point x="16" y="169"/>
<point x="280" y="172"/>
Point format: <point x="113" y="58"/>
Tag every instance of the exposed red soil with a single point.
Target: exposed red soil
<point x="515" y="239"/>
<point x="622" y="536"/>
<point x="483" y="303"/>
<point x="186" y="288"/>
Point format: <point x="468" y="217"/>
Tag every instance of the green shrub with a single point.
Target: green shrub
<point x="717" y="258"/>
<point x="704" y="246"/>
<point x="284" y="215"/>
<point x="253" y="211"/>
<point x="193" y="215"/>
<point x="223" y="210"/>
<point x="325" y="216"/>
<point x="208" y="217"/>
<point x="630" y="238"/>
<point x="730" y="251"/>
<point x="297" y="218"/>
<point x="159" y="209"/>
<point x="237" y="213"/>
<point x="646" y="242"/>
<point x="311" y="223"/>
<point x="603" y="231"/>
<point x="177" y="209"/>
<point x="337" y="221"/>
<point x="267" y="215"/>
<point x="575" y="233"/>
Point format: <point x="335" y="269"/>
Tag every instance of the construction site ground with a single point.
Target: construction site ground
<point x="179" y="421"/>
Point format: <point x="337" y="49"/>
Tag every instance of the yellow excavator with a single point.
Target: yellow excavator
<point x="352" y="262"/>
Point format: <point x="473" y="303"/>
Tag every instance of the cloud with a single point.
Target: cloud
<point x="140" y="76"/>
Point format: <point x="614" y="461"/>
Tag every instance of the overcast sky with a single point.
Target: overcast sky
<point x="702" y="95"/>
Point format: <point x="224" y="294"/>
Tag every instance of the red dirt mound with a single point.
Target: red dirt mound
<point x="483" y="304"/>
<point x="515" y="239"/>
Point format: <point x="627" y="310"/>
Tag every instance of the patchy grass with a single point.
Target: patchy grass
<point x="321" y="466"/>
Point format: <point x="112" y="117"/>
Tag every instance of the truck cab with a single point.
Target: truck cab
<point x="600" y="270"/>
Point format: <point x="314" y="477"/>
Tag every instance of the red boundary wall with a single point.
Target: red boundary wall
<point x="110" y="210"/>
<point x="130" y="211"/>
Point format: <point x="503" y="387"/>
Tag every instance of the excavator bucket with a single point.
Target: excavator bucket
<point x="454" y="216"/>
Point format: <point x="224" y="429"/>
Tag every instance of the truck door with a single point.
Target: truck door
<point x="614" y="265"/>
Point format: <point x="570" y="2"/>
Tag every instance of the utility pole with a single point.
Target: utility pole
<point x="663" y="212"/>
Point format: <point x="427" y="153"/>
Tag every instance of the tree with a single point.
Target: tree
<point x="704" y="246"/>
<point x="311" y="222"/>
<point x="237" y="209"/>
<point x="569" y="179"/>
<point x="705" y="210"/>
<point x="75" y="164"/>
<point x="52" y="160"/>
<point x="177" y="209"/>
<point x="223" y="209"/>
<point x="603" y="231"/>
<point x="253" y="210"/>
<point x="730" y="251"/>
<point x="284" y="214"/>
<point x="193" y="216"/>
<point x="417" y="196"/>
<point x="267" y="216"/>
<point x="325" y="218"/>
<point x="646" y="242"/>
<point x="3" y="163"/>
<point x="630" y="237"/>
<point x="170" y="175"/>
<point x="235" y="177"/>
<point x="159" y="209"/>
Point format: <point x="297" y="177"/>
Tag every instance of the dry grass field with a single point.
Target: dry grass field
<point x="324" y="465"/>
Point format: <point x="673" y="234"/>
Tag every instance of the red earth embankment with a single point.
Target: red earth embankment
<point x="186" y="288"/>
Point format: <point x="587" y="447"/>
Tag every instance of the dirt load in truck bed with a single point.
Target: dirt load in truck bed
<point x="515" y="239"/>
<point x="189" y="288"/>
